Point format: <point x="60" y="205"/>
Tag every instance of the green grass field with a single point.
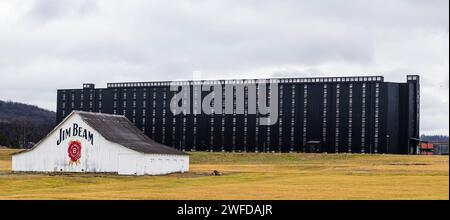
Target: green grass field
<point x="250" y="176"/>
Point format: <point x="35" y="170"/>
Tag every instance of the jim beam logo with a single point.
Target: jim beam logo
<point x="74" y="146"/>
<point x="74" y="152"/>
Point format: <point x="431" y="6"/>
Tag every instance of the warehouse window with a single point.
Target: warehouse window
<point x="256" y="135"/>
<point x="280" y="121"/>
<point x="350" y="116"/>
<point x="280" y="133"/>
<point x="234" y="135"/>
<point x="153" y="131"/>
<point x="324" y="114"/>
<point x="211" y="143"/>
<point x="363" y="119"/>
<point x="222" y="134"/>
<point x="173" y="132"/>
<point x="377" y="90"/>
<point x="195" y="132"/>
<point x="293" y="87"/>
<point x="337" y="117"/>
<point x="281" y="109"/>
<point x="163" y="136"/>
<point x="305" y="116"/>
<point x="195" y="101"/>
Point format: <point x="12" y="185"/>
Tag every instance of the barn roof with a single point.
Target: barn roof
<point x="118" y="129"/>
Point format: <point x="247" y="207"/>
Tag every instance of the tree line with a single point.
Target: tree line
<point x="22" y="125"/>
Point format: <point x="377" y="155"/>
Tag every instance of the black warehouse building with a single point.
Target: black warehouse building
<point x="326" y="114"/>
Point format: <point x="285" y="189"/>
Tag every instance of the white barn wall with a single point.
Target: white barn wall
<point x="155" y="164"/>
<point x="102" y="156"/>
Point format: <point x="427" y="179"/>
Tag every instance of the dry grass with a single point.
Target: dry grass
<point x="250" y="176"/>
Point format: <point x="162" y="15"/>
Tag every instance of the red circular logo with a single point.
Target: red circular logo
<point x="74" y="151"/>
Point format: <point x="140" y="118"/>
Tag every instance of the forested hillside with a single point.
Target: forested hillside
<point x="21" y="125"/>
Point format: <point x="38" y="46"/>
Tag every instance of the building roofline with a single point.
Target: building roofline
<point x="321" y="79"/>
<point x="346" y="79"/>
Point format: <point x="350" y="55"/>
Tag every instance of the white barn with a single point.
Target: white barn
<point x="100" y="143"/>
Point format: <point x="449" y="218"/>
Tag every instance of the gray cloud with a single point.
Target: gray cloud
<point x="47" y="10"/>
<point x="48" y="44"/>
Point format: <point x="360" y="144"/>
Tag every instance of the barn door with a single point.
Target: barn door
<point x="127" y="164"/>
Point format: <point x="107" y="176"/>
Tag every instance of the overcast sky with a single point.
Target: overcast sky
<point x="51" y="44"/>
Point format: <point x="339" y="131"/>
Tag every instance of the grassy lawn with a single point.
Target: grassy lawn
<point x="250" y="176"/>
